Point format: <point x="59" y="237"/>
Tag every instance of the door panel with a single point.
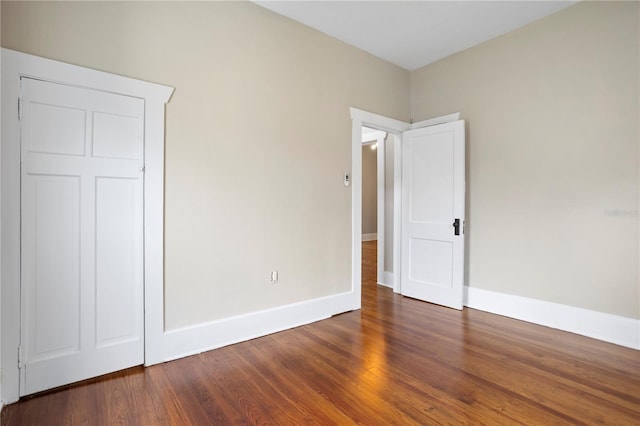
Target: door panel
<point x="81" y="232"/>
<point x="67" y="123"/>
<point x="115" y="136"/>
<point x="118" y="242"/>
<point x="432" y="265"/>
<point x="54" y="238"/>
<point x="431" y="173"/>
<point x="427" y="256"/>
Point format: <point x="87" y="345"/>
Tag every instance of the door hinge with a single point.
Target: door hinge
<point x="20" y="357"/>
<point x="20" y="108"/>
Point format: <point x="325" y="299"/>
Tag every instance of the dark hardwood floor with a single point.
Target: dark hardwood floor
<point x="397" y="361"/>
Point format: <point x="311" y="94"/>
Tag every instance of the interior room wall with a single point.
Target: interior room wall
<point x="369" y="190"/>
<point x="388" y="203"/>
<point x="250" y="188"/>
<point x="552" y="155"/>
<point x="552" y="146"/>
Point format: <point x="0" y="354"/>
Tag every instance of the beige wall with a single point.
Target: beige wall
<point x="369" y="190"/>
<point x="388" y="203"/>
<point x="553" y="145"/>
<point x="552" y="139"/>
<point x="249" y="186"/>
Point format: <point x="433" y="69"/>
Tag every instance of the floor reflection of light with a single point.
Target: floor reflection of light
<point x="373" y="370"/>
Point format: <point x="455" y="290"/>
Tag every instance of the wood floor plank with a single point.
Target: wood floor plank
<point x="310" y="405"/>
<point x="396" y="361"/>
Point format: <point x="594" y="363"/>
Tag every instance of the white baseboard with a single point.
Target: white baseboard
<point x="598" y="325"/>
<point x="199" y="338"/>
<point x="369" y="237"/>
<point x="387" y="279"/>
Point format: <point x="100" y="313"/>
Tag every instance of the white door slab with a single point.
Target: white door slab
<point x="81" y="234"/>
<point x="433" y="186"/>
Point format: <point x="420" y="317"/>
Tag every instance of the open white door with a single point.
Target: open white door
<point x="433" y="186"/>
<point x="81" y="234"/>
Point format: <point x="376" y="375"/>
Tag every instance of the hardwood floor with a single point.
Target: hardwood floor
<point x="397" y="361"/>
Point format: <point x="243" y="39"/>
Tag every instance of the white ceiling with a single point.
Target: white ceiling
<point x="412" y="34"/>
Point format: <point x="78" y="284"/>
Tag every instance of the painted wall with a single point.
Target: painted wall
<point x="388" y="203"/>
<point x="552" y="139"/>
<point x="250" y="188"/>
<point x="552" y="114"/>
<point x="369" y="190"/>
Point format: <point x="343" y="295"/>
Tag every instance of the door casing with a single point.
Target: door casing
<point x="14" y="66"/>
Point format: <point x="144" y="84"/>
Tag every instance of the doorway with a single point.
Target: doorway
<point x="445" y="175"/>
<point x="377" y="199"/>
<point x="393" y="128"/>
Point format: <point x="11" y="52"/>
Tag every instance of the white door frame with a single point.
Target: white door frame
<point x="360" y="118"/>
<point x="14" y="66"/>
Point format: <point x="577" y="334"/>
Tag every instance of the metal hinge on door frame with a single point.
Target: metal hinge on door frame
<point x="20" y="108"/>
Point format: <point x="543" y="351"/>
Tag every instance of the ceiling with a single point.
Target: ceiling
<point x="412" y="34"/>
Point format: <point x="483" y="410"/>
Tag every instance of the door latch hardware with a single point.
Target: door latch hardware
<point x="456" y="227"/>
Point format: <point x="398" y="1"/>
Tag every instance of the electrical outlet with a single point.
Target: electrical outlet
<point x="274" y="277"/>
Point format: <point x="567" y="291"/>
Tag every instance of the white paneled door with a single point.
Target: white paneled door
<point x="433" y="191"/>
<point x="82" y="234"/>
